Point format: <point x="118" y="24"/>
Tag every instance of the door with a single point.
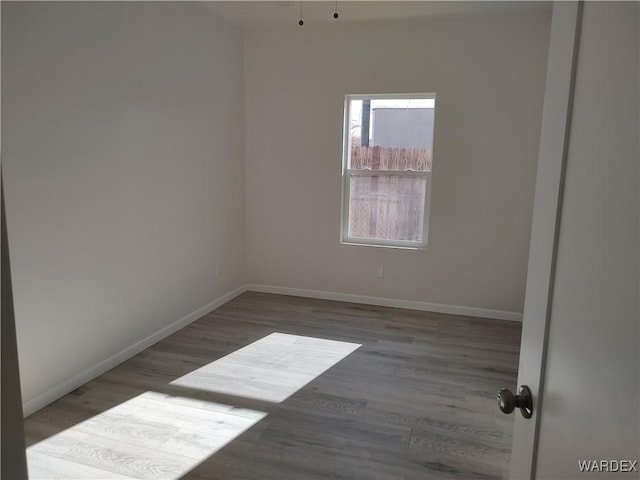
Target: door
<point x="579" y="351"/>
<point x="13" y="464"/>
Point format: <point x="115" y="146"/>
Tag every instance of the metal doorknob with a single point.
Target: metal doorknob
<point x="508" y="402"/>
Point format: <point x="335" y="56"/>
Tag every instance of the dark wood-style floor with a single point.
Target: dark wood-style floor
<point x="415" y="401"/>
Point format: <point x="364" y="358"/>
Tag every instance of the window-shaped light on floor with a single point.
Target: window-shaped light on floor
<point x="153" y="435"/>
<point x="270" y="369"/>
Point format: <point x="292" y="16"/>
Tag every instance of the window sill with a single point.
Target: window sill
<point x="381" y="245"/>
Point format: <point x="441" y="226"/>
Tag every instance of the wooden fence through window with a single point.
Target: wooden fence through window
<point x="391" y="158"/>
<point x="386" y="206"/>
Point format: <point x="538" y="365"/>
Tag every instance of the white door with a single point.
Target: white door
<point x="580" y="336"/>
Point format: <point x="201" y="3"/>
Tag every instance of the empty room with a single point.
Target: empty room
<point x="317" y="239"/>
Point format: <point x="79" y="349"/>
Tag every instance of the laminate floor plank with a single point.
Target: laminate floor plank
<point x="415" y="400"/>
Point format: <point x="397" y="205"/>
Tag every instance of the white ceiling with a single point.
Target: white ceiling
<point x="247" y="14"/>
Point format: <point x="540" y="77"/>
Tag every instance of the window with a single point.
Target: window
<point x="386" y="169"/>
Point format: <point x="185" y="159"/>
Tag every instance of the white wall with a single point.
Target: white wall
<point x="488" y="72"/>
<point x="591" y="387"/>
<point x="123" y="165"/>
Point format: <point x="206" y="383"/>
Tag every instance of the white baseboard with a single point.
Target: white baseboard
<point x="388" y="302"/>
<point x="44" y="399"/>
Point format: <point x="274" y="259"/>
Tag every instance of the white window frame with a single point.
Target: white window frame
<point x="348" y="173"/>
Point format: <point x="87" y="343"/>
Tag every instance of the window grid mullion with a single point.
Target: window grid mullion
<point x="386" y="173"/>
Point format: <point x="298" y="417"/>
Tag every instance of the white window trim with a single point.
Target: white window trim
<point x="347" y="173"/>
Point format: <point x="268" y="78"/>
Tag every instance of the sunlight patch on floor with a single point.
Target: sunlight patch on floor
<point x="270" y="369"/>
<point x="153" y="435"/>
<point x="161" y="436"/>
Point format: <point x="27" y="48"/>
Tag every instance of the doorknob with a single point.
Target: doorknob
<point x="508" y="402"/>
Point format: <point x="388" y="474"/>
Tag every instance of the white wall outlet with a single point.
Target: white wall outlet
<point x="380" y="272"/>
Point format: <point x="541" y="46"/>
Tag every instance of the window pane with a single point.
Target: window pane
<point x="386" y="207"/>
<point x="391" y="134"/>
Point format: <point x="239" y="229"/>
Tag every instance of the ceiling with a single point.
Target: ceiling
<point x="247" y="14"/>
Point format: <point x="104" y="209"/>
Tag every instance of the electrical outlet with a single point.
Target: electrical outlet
<point x="380" y="272"/>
